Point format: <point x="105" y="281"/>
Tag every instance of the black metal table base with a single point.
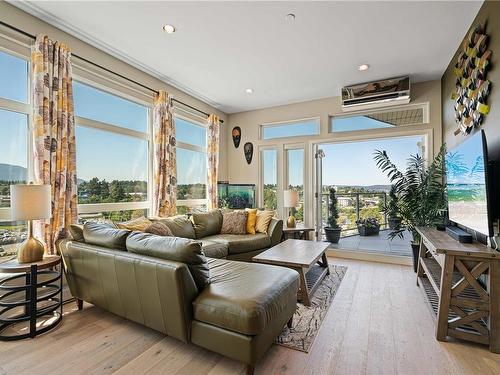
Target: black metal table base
<point x="49" y="291"/>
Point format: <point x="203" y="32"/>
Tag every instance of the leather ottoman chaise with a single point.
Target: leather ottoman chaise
<point x="166" y="283"/>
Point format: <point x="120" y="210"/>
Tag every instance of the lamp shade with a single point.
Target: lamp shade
<point x="30" y="202"/>
<point x="291" y="198"/>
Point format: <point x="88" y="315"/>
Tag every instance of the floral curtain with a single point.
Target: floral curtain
<point x="212" y="160"/>
<point x="165" y="174"/>
<point x="54" y="136"/>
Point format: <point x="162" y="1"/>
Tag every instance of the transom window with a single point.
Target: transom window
<point x="290" y="129"/>
<point x="412" y="115"/>
<point x="98" y="105"/>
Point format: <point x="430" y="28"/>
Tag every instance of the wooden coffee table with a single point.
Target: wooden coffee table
<point x="308" y="258"/>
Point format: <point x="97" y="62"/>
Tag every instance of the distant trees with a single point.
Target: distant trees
<point x="102" y="191"/>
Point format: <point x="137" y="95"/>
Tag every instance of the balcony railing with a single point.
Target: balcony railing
<point x="355" y="206"/>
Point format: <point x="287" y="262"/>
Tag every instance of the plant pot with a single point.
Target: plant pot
<point x="394" y="223"/>
<point x="332" y="234"/>
<point x="415" y="249"/>
<point x="368" y="231"/>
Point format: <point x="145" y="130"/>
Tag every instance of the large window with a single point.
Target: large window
<point x="191" y="166"/>
<point x="14" y="130"/>
<point x="291" y="129"/>
<point x="295" y="176"/>
<point x="270" y="178"/>
<point x="112" y="143"/>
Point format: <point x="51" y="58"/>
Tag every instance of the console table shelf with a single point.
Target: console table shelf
<point x="461" y="284"/>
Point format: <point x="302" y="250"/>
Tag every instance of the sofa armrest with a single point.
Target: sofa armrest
<point x="275" y="231"/>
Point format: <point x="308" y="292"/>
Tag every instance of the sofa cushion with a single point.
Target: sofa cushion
<point x="76" y="231"/>
<point x="234" y="222"/>
<point x="263" y="220"/>
<point x="101" y="234"/>
<point x="207" y="223"/>
<point x="214" y="249"/>
<point x="140" y="224"/>
<point x="172" y="248"/>
<point x="245" y="297"/>
<point x="241" y="243"/>
<point x="251" y="220"/>
<point x="159" y="228"/>
<point x="180" y="226"/>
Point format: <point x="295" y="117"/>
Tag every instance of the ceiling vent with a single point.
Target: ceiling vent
<point x="376" y="94"/>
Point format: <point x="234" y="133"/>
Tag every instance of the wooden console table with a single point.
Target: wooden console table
<point x="462" y="285"/>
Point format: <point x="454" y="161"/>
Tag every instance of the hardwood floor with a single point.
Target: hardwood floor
<point x="378" y="324"/>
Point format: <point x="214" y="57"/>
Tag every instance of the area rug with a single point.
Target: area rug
<point x="307" y="320"/>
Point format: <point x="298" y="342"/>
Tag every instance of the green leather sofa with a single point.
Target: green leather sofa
<point x="206" y="227"/>
<point x="168" y="284"/>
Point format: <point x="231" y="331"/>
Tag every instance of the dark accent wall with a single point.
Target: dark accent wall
<point x="489" y="14"/>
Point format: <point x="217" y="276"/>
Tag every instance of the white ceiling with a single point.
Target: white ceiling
<point x="222" y="48"/>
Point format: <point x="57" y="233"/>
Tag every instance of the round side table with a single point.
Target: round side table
<point x="32" y="293"/>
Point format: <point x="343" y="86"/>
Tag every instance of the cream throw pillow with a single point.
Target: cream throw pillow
<point x="140" y="224"/>
<point x="263" y="220"/>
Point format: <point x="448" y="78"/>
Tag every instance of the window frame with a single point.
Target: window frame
<point x="263" y="126"/>
<point x="88" y="208"/>
<point x="22" y="52"/>
<point x="191" y="203"/>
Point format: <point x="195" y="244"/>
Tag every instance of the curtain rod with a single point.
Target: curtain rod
<point x="110" y="71"/>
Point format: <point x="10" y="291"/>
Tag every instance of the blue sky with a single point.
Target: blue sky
<point x="13" y="78"/>
<point x="353" y="164"/>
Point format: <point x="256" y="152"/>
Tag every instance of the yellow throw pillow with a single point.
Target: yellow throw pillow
<point x="263" y="220"/>
<point x="251" y="220"/>
<point x="140" y="224"/>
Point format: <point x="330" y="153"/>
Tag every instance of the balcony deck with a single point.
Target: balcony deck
<point x="380" y="244"/>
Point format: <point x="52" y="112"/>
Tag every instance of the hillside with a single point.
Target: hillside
<point x="10" y="172"/>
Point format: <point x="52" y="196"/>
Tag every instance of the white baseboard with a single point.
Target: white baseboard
<point x="370" y="256"/>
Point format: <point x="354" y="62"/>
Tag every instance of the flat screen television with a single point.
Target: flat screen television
<point x="469" y="203"/>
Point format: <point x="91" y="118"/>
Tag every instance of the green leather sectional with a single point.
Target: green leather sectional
<point x="184" y="286"/>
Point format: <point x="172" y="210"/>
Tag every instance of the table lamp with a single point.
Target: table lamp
<point x="291" y="200"/>
<point x="30" y="202"/>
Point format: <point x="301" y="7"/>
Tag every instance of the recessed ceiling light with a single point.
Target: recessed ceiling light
<point x="363" y="67"/>
<point x="290" y="17"/>
<point x="249" y="91"/>
<point x="169" y="29"/>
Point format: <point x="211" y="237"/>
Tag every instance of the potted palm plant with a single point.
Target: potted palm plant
<point x="392" y="210"/>
<point x="332" y="231"/>
<point x="421" y="193"/>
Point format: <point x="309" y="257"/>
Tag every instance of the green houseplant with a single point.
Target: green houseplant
<point x="368" y="227"/>
<point x="332" y="231"/>
<point x="421" y="193"/>
<point x="392" y="209"/>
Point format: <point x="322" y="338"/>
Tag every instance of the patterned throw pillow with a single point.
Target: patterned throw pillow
<point x="234" y="222"/>
<point x="251" y="220"/>
<point x="263" y="220"/>
<point x="140" y="224"/>
<point x="159" y="228"/>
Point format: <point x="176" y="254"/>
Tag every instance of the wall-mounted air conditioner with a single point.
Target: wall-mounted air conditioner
<point x="376" y="94"/>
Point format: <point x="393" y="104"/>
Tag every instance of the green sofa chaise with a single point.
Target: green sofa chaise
<point x="168" y="284"/>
